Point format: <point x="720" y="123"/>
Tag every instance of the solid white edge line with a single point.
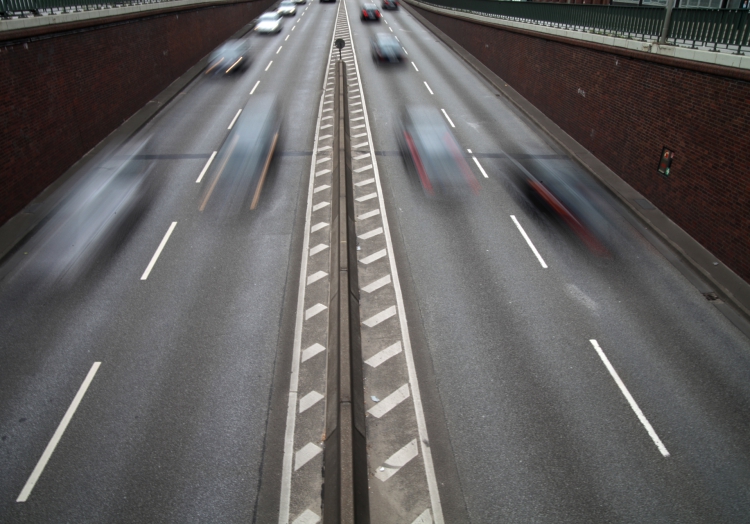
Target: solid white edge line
<point x="158" y="251"/>
<point x="528" y="241"/>
<point x="416" y="395"/>
<point x="480" y="166"/>
<point x="234" y="119"/>
<point x="428" y="88"/>
<point x="34" y="477"/>
<point x="254" y="87"/>
<point x="291" y="416"/>
<point x="447" y="117"/>
<point x="205" y="168"/>
<point x="630" y="399"/>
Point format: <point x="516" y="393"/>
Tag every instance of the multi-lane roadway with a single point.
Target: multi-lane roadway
<point x="548" y="383"/>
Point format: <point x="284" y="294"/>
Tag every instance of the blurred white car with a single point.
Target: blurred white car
<point x="268" y="23"/>
<point x="287" y="8"/>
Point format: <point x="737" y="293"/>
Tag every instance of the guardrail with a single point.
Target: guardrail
<point x="725" y="28"/>
<point x="9" y="8"/>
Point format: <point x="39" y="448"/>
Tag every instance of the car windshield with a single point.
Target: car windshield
<point x="287" y="4"/>
<point x="269" y="17"/>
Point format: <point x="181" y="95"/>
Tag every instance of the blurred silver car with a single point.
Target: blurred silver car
<point x="268" y="23"/>
<point x="231" y="57"/>
<point x="244" y="159"/>
<point x="385" y="48"/>
<point x="432" y="153"/>
<point x="287" y="8"/>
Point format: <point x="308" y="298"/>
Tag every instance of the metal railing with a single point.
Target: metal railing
<point x="9" y="8"/>
<point x="694" y="27"/>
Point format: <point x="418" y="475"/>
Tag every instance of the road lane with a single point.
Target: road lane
<point x="174" y="427"/>
<point x="536" y="430"/>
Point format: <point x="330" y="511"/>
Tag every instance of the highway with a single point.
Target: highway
<point x="537" y="380"/>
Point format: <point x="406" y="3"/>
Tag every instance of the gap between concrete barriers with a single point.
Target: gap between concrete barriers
<point x="695" y="262"/>
<point x="345" y="482"/>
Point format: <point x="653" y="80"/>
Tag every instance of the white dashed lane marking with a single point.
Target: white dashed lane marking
<point x="528" y="241"/>
<point x="205" y="168"/>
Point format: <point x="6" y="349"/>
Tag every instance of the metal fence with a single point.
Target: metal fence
<point x="727" y="29"/>
<point x="9" y="8"/>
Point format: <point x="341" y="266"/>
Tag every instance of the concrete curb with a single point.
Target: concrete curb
<point x="15" y="230"/>
<point x="728" y="285"/>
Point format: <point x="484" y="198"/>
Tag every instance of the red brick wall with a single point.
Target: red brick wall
<point x="631" y="109"/>
<point x="62" y="93"/>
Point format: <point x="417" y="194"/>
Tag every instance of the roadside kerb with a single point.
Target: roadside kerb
<point x="728" y="284"/>
<point x="345" y="488"/>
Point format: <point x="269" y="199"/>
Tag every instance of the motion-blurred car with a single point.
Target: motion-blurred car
<point x="287" y="8"/>
<point x="300" y="1"/>
<point x="231" y="57"/>
<point x="370" y="12"/>
<point x="385" y="48"/>
<point x="244" y="159"/>
<point x="432" y="153"/>
<point x="268" y="23"/>
<point x="390" y="4"/>
<point x="96" y="218"/>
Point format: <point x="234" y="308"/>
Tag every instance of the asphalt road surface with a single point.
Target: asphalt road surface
<point x="557" y="385"/>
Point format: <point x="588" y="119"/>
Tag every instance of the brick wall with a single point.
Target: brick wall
<point x="624" y="109"/>
<point x="62" y="93"/>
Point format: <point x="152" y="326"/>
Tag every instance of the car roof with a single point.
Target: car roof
<point x="269" y="15"/>
<point x="369" y="6"/>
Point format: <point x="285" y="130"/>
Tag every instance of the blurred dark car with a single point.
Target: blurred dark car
<point x="385" y="48"/>
<point x="300" y="1"/>
<point x="96" y="217"/>
<point x="390" y="4"/>
<point x="232" y="56"/>
<point x="432" y="153"/>
<point x="370" y="12"/>
<point x="244" y="158"/>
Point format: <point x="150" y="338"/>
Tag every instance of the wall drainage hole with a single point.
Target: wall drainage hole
<point x="711" y="296"/>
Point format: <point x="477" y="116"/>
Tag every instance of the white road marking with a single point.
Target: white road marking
<point x="326" y="126"/>
<point x="294" y="27"/>
<point x="308" y="517"/>
<point x="630" y="399"/>
<point x="323" y="171"/>
<point x="469" y="150"/>
<point x="314" y="310"/>
<point x="307" y="453"/>
<point x="324" y="159"/>
<point x="424" y="518"/>
<point x="397" y="40"/>
<point x="39" y="468"/>
<point x="391" y="29"/>
<point x="385" y="354"/>
<point x="309" y="401"/>
<point x="370" y="234"/>
<point x="528" y="241"/>
<point x="436" y="508"/>
<point x="234" y="119"/>
<point x="205" y="168"/>
<point x="317" y="249"/>
<point x="254" y="87"/>
<point x="480" y="166"/>
<point x="448" y="118"/>
<point x="279" y="49"/>
<point x="358" y="135"/>
<point x="320" y="205"/>
<point x="369" y="288"/>
<point x="366" y="197"/>
<point x="158" y="251"/>
<point x="365" y="182"/>
<point x="390" y="402"/>
<point x="402" y="47"/>
<point x="312" y="351"/>
<point x="415" y="66"/>
<point x="397" y="461"/>
<point x="287" y="38"/>
<point x="316" y="276"/>
<point x="321" y="188"/>
<point x="380" y="317"/>
<point x="323" y="138"/>
<point x="318" y="226"/>
<point x="360" y="157"/>
<point x="428" y="88"/>
<point x="324" y="148"/>
<point x="375" y="256"/>
<point x="269" y="65"/>
<point x="369" y="214"/>
<point x="361" y="169"/>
